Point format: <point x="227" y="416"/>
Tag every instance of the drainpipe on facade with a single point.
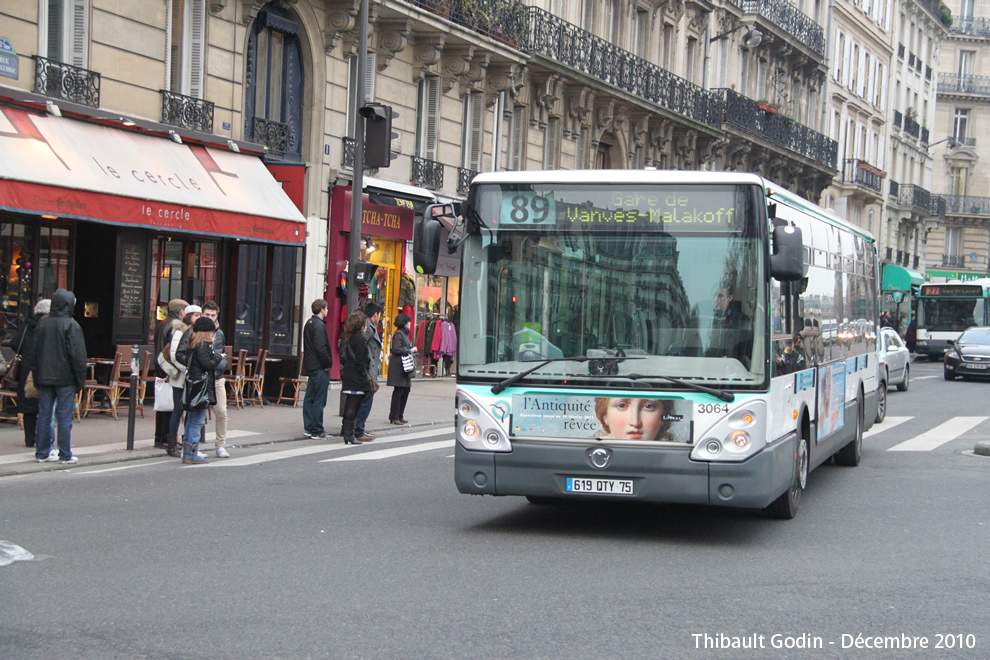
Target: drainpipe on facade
<point x="828" y="50"/>
<point x="708" y="52"/>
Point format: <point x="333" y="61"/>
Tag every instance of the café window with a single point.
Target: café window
<point x="183" y="269"/>
<point x="249" y="309"/>
<point x="286" y="284"/>
<point x="34" y="262"/>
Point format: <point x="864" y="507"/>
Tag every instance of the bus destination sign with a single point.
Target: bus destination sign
<point x="954" y="290"/>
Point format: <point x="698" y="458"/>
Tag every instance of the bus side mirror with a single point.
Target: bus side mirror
<point x="785" y="262"/>
<point x="426" y="245"/>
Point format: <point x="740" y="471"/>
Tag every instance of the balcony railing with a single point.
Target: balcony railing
<point x="788" y="18"/>
<point x="187" y="112"/>
<point x="502" y="20"/>
<point x="272" y="134"/>
<point x="65" y="82"/>
<point x="977" y="27"/>
<point x="464" y="178"/>
<point x="563" y="42"/>
<point x="745" y="113"/>
<point x="347" y="157"/>
<point x="864" y="174"/>
<point x="966" y="204"/>
<point x="922" y="200"/>
<point x="893" y="189"/>
<point x="957" y="83"/>
<point x="427" y="173"/>
<point x="911" y="127"/>
<point x="937" y="207"/>
<point x="956" y="260"/>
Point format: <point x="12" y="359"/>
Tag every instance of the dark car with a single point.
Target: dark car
<point x="969" y="355"/>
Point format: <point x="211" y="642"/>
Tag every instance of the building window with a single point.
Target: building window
<point x="63" y="31"/>
<point x="428" y="117"/>
<point x="642" y="32"/>
<point x="474" y="130"/>
<point x="957" y="179"/>
<point x="667" y="47"/>
<point x="286" y="287"/>
<point x="186" y="39"/>
<point x="692" y="54"/>
<point x="551" y="143"/>
<point x="966" y="59"/>
<point x="603" y="155"/>
<point x="369" y="89"/>
<point x="953" y="240"/>
<point x="517" y="137"/>
<point x="274" y="89"/>
<point x="960" y="124"/>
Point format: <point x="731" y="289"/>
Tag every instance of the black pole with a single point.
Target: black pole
<point x="132" y="398"/>
<point x="357" y="184"/>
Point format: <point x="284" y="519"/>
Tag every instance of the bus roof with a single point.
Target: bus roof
<point x="780" y="194"/>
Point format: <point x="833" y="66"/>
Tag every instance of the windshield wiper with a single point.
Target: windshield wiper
<point x="512" y="380"/>
<point x="728" y="397"/>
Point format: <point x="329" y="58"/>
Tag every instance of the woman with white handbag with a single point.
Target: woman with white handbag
<point x="401" y="369"/>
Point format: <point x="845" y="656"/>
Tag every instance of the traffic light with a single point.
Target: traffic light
<point x="378" y="134"/>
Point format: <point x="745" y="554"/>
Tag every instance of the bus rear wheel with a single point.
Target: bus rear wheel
<point x="850" y="455"/>
<point x="786" y="506"/>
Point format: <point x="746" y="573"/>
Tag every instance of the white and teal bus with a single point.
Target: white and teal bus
<point x="682" y="337"/>
<point x="945" y="310"/>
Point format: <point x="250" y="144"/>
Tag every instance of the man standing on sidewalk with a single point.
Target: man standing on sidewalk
<point x="374" y="313"/>
<point x="317" y="360"/>
<point x="211" y="310"/>
<point x="60" y="372"/>
<point x="163" y="408"/>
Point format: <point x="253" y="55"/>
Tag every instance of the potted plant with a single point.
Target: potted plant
<point x="768" y="107"/>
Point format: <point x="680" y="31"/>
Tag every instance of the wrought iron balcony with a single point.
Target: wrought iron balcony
<point x="937" y="207"/>
<point x="911" y="127"/>
<point x="502" y="20"/>
<point x="563" y="42"/>
<point x="65" y="82"/>
<point x="464" y="178"/>
<point x="957" y="260"/>
<point x="957" y="83"/>
<point x="187" y="112"/>
<point x="977" y="27"/>
<point x="864" y="174"/>
<point x="788" y="18"/>
<point x="347" y="158"/>
<point x="272" y="134"/>
<point x="893" y="189"/>
<point x="966" y="204"/>
<point x="746" y="114"/>
<point x="427" y="173"/>
<point x="921" y="200"/>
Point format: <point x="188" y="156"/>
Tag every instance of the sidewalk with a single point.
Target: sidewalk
<point x="100" y="439"/>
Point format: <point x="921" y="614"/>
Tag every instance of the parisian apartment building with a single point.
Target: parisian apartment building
<point x="207" y="146"/>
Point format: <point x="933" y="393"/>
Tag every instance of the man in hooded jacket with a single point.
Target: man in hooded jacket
<point x="59" y="372"/>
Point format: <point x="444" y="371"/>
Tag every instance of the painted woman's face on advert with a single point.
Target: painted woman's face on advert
<point x="635" y="419"/>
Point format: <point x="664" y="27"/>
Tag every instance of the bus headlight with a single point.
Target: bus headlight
<point x="477" y="428"/>
<point x="738" y="441"/>
<point x="737" y="436"/>
<point x="470" y="429"/>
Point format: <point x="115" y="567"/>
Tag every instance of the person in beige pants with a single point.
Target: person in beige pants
<point x="212" y="311"/>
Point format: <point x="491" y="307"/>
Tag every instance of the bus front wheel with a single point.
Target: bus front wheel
<point x="786" y="506"/>
<point x="850" y="455"/>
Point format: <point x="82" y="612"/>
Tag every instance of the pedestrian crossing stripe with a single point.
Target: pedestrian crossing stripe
<point x="394" y="451"/>
<point x="941" y="434"/>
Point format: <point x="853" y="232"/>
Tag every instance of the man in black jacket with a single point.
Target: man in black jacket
<point x="163" y="337"/>
<point x="317" y="360"/>
<point x="60" y="372"/>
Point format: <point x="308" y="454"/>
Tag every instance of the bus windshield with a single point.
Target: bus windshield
<point x="955" y="314"/>
<point x="671" y="279"/>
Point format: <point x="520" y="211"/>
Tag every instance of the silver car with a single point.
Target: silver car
<point x="895" y="367"/>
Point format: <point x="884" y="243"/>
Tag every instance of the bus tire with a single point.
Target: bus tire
<point x="904" y="384"/>
<point x="881" y="402"/>
<point x="850" y="455"/>
<point x="786" y="506"/>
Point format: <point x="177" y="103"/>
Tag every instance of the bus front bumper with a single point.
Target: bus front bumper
<point x="658" y="474"/>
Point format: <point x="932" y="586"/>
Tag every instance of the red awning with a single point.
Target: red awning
<point x="72" y="169"/>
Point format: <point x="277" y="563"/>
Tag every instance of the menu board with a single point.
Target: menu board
<point x="132" y="270"/>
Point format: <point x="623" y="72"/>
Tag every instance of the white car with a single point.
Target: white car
<point x="895" y="368"/>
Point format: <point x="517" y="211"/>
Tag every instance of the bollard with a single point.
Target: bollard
<point x="132" y="398"/>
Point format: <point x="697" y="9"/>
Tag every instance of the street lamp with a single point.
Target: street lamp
<point x="751" y="39"/>
<point x="953" y="142"/>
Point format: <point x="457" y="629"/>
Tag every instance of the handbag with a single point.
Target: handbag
<point x="30" y="391"/>
<point x="196" y="394"/>
<point x="408" y="363"/>
<point x="12" y="376"/>
<point x="163" y="395"/>
<point x="372" y="385"/>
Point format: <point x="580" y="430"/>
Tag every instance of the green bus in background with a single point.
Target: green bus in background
<point x="900" y="288"/>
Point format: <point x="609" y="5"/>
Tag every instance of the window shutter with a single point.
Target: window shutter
<point x="837" y="59"/>
<point x="883" y="87"/>
<point x="516" y="147"/>
<point x="476" y="130"/>
<point x="871" y="87"/>
<point x="551" y="144"/>
<point x="369" y="79"/>
<point x="881" y="159"/>
<point x="56" y="21"/>
<point x="79" y="39"/>
<point x="197" y="43"/>
<point x="429" y="117"/>
<point x="861" y="74"/>
<point x="847" y="64"/>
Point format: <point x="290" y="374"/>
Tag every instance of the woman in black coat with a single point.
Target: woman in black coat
<point x="29" y="354"/>
<point x="398" y="378"/>
<point x="354" y="382"/>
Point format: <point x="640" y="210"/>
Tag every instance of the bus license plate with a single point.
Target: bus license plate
<point x="600" y="486"/>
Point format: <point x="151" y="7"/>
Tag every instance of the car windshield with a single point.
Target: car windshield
<point x="685" y="302"/>
<point x="975" y="337"/>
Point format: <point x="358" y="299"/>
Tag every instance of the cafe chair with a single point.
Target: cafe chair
<point x="294" y="382"/>
<point x="142" y="382"/>
<point x="8" y="397"/>
<point x="255" y="382"/>
<point x="112" y="389"/>
<point x="237" y="382"/>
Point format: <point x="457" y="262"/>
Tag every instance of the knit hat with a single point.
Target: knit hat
<point x="204" y="324"/>
<point x="176" y="304"/>
<point x="192" y="309"/>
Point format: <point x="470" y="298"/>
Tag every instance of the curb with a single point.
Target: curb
<point x="108" y="458"/>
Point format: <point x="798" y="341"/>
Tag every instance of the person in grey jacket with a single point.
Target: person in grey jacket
<point x="398" y="378"/>
<point x="317" y="360"/>
<point x="60" y="372"/>
<point x="374" y="313"/>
